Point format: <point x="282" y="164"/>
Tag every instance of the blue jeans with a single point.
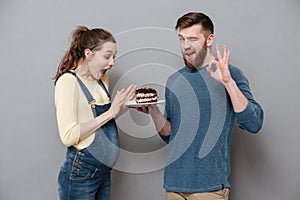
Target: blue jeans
<point x="82" y="177"/>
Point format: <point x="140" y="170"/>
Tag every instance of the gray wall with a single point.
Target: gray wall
<point x="263" y="36"/>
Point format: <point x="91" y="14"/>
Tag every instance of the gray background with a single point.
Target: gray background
<point x="263" y="37"/>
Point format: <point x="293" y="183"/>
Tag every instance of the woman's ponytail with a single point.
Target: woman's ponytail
<point x="70" y="59"/>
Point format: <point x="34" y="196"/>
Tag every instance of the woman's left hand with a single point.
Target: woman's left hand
<point x="118" y="106"/>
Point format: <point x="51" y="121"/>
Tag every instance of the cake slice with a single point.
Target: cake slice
<point x="146" y="95"/>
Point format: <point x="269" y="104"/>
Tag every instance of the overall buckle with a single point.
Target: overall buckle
<point x="93" y="103"/>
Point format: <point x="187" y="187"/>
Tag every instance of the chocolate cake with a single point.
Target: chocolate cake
<point x="146" y="95"/>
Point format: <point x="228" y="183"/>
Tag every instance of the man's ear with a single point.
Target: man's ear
<point x="210" y="40"/>
<point x="88" y="54"/>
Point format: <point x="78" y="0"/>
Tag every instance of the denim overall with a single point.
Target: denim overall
<point x="85" y="174"/>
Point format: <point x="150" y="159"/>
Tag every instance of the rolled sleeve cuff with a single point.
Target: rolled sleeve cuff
<point x="246" y="115"/>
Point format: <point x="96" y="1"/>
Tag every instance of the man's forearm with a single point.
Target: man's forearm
<point x="162" y="125"/>
<point x="238" y="99"/>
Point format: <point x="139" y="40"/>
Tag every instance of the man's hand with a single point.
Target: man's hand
<point x="222" y="74"/>
<point x="144" y="109"/>
<point x="149" y="109"/>
<point x="162" y="125"/>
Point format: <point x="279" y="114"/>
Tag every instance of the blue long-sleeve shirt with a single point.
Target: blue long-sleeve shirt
<point x="202" y="119"/>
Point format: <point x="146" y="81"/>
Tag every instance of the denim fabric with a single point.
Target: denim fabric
<point x="85" y="173"/>
<point x="82" y="177"/>
<point x="106" y="145"/>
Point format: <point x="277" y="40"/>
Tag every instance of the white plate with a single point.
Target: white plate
<point x="133" y="103"/>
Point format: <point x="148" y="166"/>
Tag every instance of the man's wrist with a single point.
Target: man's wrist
<point x="229" y="84"/>
<point x="155" y="112"/>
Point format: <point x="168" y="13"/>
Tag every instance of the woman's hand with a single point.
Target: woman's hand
<point x="118" y="106"/>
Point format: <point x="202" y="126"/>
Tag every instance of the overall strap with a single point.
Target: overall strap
<point x="86" y="92"/>
<point x="104" y="88"/>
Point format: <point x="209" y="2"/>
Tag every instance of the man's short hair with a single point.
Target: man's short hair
<point x="193" y="18"/>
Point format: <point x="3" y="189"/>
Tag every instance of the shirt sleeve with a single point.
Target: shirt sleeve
<point x="66" y="101"/>
<point x="105" y="80"/>
<point x="250" y="119"/>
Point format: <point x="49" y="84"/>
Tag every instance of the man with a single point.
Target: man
<point x="203" y="100"/>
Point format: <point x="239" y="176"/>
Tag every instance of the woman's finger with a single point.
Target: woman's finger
<point x="130" y="92"/>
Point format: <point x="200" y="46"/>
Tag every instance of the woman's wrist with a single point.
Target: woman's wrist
<point x="111" y="113"/>
<point x="104" y="118"/>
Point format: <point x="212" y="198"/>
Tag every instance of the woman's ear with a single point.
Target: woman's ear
<point x="88" y="54"/>
<point x="210" y="40"/>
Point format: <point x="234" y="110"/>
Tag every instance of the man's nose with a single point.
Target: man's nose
<point x="186" y="45"/>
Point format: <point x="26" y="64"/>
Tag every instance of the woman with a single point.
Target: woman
<point x="85" y="115"/>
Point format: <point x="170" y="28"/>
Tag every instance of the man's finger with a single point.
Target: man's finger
<point x="224" y="52"/>
<point x="218" y="53"/>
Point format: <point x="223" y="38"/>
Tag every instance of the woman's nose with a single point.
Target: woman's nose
<point x="112" y="62"/>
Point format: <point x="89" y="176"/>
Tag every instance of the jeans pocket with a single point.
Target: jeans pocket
<point x="61" y="176"/>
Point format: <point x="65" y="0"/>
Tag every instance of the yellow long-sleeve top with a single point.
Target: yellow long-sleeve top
<point x="72" y="108"/>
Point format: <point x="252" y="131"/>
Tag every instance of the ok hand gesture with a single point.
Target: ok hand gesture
<point x="222" y="73"/>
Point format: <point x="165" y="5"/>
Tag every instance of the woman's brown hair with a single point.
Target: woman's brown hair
<point x="82" y="38"/>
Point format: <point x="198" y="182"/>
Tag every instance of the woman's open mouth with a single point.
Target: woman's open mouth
<point x="103" y="71"/>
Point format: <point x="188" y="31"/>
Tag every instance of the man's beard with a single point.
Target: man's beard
<point x="199" y="60"/>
